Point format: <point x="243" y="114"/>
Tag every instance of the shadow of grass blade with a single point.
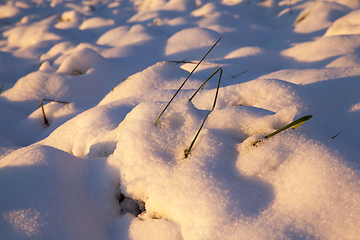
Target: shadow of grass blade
<point x="157" y="121"/>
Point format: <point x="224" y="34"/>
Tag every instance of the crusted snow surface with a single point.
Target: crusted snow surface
<point x="108" y="167"/>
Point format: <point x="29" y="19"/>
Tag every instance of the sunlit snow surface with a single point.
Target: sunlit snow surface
<point x="112" y="62"/>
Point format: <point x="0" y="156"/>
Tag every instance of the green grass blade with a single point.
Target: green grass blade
<point x="203" y="84"/>
<point x="293" y="125"/>
<point x="187" y="151"/>
<point x="218" y="87"/>
<point x="157" y="121"/>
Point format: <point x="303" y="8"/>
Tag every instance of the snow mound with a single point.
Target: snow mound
<point x="346" y="25"/>
<point x="8" y="11"/>
<point x="61" y="183"/>
<point x="24" y="36"/>
<point x="190" y="39"/>
<point x="323" y="48"/>
<point x="245" y="52"/>
<point x="305" y="183"/>
<point x="96" y="22"/>
<point x="162" y="75"/>
<point x="319" y="15"/>
<point x="122" y="36"/>
<point x="69" y="19"/>
<point x="107" y="156"/>
<point x="80" y="62"/>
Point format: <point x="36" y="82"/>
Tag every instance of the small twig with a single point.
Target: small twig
<point x="157" y="121"/>
<point x="337" y="134"/>
<point x="43" y="111"/>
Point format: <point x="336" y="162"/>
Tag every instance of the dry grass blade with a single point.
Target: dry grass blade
<point x="46" y="122"/>
<point x="157" y="121"/>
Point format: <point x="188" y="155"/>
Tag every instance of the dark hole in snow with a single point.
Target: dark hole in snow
<point x="129" y="205"/>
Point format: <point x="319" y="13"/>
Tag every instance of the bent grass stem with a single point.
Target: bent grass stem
<point x="157" y="121"/>
<point x="187" y="151"/>
<point x="43" y="111"/>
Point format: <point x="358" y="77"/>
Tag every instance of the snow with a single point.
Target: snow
<point x="189" y="39"/>
<point x="104" y="168"/>
<point x="347" y="25"/>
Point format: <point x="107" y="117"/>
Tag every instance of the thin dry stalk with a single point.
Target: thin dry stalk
<point x="43" y="111"/>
